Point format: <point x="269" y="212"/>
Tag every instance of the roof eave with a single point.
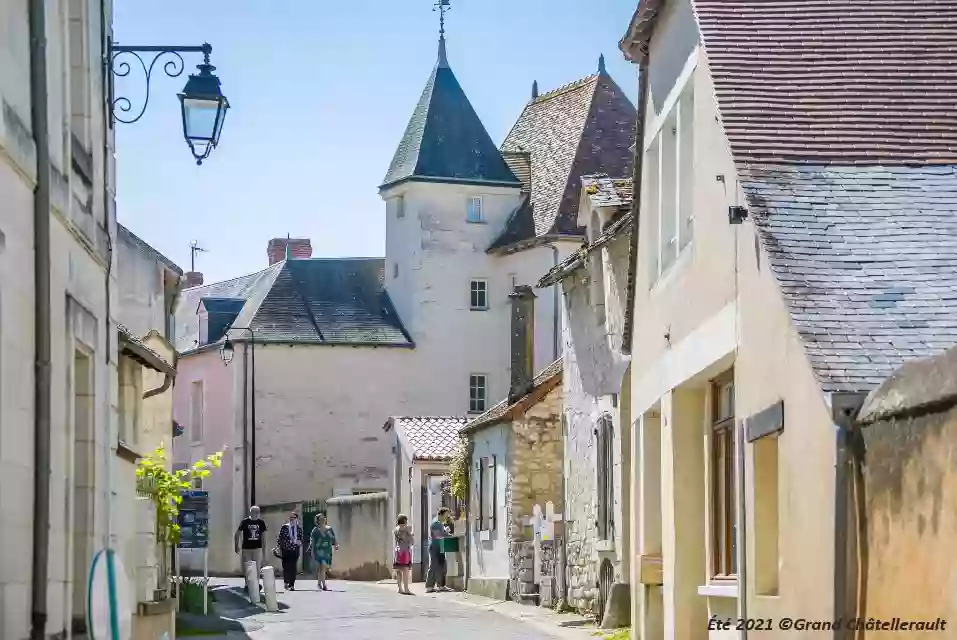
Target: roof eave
<point x="531" y="243"/>
<point x="444" y="180"/>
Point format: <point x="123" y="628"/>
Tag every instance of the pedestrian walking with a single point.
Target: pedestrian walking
<point x="290" y="542"/>
<point x="404" y="539"/>
<point x="322" y="542"/>
<point x="248" y="540"/>
<point x="439" y="529"/>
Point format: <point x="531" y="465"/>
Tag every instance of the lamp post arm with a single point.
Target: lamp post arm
<point x="118" y="65"/>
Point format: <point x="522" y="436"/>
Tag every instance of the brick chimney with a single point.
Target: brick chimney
<point x="193" y="279"/>
<point x="522" y="341"/>
<point x="299" y="248"/>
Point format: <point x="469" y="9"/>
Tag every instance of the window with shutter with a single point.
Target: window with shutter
<point x="493" y="498"/>
<point x="604" y="435"/>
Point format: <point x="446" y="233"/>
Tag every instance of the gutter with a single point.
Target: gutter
<point x="556" y="307"/>
<point x="632" y="277"/>
<point x="39" y="114"/>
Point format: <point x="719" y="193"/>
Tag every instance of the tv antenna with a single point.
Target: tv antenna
<point x="194" y="248"/>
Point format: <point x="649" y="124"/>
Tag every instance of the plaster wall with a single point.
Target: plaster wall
<point x="436" y="254"/>
<point x="363" y="529"/>
<point x="593" y="383"/>
<point x="78" y="272"/>
<point x="488" y="550"/>
<point x="141" y="290"/>
<point x="719" y="306"/>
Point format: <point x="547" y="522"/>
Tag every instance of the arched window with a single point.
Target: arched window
<point x="605" y="442"/>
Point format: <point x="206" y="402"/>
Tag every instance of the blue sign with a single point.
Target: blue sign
<point x="194" y="520"/>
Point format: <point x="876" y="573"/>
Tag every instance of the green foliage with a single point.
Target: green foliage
<point x="191" y="597"/>
<point x="459" y="469"/>
<point x="165" y="488"/>
<point x="617" y="634"/>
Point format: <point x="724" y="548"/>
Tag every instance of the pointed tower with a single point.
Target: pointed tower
<point x="448" y="192"/>
<point x="445" y="141"/>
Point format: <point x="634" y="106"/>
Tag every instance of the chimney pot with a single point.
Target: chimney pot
<point x="522" y="341"/>
<point x="193" y="279"/>
<point x="300" y="248"/>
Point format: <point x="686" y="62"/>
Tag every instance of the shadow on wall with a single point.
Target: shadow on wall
<point x="364" y="531"/>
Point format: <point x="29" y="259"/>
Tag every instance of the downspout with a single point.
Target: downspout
<point x="39" y="114"/>
<point x="636" y="201"/>
<point x="844" y="409"/>
<point x="742" y="529"/>
<point x="556" y="309"/>
<point x="167" y="383"/>
<point x="252" y="436"/>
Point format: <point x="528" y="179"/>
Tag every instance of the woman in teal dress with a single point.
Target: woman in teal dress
<point x="322" y="542"/>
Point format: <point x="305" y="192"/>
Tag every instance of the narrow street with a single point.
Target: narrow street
<point x="364" y="611"/>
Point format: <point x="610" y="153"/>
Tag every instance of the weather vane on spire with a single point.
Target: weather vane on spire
<point x="442" y="6"/>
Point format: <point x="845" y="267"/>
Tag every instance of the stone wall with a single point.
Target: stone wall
<point x="535" y="468"/>
<point x="592" y="382"/>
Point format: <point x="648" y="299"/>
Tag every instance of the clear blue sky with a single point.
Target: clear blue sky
<point x="321" y="92"/>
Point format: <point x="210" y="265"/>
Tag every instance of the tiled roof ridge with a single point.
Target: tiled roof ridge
<point x="231" y="280"/>
<point x="429" y="417"/>
<point x="565" y="88"/>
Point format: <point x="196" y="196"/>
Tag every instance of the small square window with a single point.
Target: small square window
<point x="474" y="212"/>
<point x="478" y="392"/>
<point x="478" y="295"/>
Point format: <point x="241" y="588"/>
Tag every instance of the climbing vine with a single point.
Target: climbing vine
<point x="459" y="469"/>
<point x="165" y="488"/>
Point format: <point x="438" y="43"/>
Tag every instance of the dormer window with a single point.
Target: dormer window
<point x="474" y="213"/>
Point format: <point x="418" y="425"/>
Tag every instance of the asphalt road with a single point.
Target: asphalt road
<point x="357" y="611"/>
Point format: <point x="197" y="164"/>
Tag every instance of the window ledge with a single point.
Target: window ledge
<point x="476" y="221"/>
<point x="124" y="452"/>
<point x="719" y="590"/>
<point x="672" y="272"/>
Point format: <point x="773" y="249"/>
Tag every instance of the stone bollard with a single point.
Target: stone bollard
<point x="252" y="582"/>
<point x="269" y="588"/>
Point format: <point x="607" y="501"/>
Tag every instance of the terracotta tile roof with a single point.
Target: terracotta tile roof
<point x="545" y="380"/>
<point x="828" y="81"/>
<point x="578" y="129"/>
<point x="429" y="437"/>
<point x="867" y="260"/>
<point x="316" y="301"/>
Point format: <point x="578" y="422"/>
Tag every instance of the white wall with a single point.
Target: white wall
<point x="438" y="253"/>
<point x="488" y="551"/>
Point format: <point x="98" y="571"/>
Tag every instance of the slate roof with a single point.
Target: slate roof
<point x="123" y="232"/>
<point x="445" y="141"/>
<point x="602" y="191"/>
<point x="546" y="380"/>
<point x="313" y="301"/>
<point x="867" y="260"/>
<point x="867" y="82"/>
<point x="429" y="437"/>
<point x="581" y="128"/>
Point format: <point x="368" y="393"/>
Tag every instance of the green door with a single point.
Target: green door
<point x="309" y="512"/>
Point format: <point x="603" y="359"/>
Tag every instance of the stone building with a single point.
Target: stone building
<point x="58" y="346"/>
<point x="516" y="464"/>
<point x="465" y="222"/>
<point x="789" y="259"/>
<point x="596" y="412"/>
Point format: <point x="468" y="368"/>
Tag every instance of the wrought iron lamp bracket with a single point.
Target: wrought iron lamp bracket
<point x="119" y="66"/>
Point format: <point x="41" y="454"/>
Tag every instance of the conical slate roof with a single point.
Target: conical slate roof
<point x="445" y="141"/>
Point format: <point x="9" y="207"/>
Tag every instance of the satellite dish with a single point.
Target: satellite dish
<point x="108" y="612"/>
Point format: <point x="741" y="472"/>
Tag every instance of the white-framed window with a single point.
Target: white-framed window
<point x="400" y="207"/>
<point x="669" y="160"/>
<point x="478" y="295"/>
<point x="474" y="211"/>
<point x="196" y="411"/>
<point x="80" y="77"/>
<point x="478" y="392"/>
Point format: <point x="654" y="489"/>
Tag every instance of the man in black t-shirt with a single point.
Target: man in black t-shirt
<point x="250" y="538"/>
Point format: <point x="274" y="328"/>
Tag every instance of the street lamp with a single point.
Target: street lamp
<point x="226" y="353"/>
<point x="202" y="101"/>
